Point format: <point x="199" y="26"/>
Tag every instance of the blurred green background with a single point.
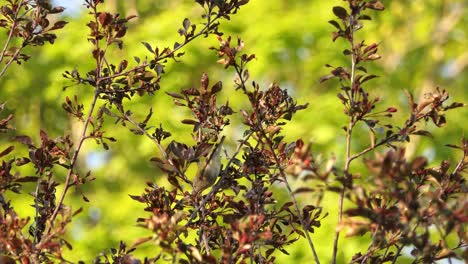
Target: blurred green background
<point x="423" y="45"/>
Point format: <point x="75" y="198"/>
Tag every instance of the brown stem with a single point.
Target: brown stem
<point x="370" y="249"/>
<point x="73" y="163"/>
<point x="215" y="187"/>
<point x="36" y="206"/>
<point x="294" y="200"/>
<point x="129" y="119"/>
<point x="343" y="190"/>
<point x="7" y="65"/>
<point x="459" y="164"/>
<point x="386" y="140"/>
<point x="161" y="149"/>
<point x="82" y="137"/>
<point x="201" y="32"/>
<point x="122" y="91"/>
<point x="281" y="170"/>
<point x="165" y="56"/>
<point x="349" y="133"/>
<point x="382" y="142"/>
<point x="397" y="254"/>
<point x="7" y="43"/>
<point x="10" y="34"/>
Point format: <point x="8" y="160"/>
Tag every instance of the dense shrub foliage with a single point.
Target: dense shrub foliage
<point x="245" y="209"/>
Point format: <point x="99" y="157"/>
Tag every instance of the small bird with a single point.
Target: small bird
<point x="209" y="169"/>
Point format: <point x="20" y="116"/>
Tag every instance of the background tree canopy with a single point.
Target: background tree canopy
<point x="423" y="45"/>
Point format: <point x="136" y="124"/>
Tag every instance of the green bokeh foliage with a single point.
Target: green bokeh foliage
<point x="292" y="42"/>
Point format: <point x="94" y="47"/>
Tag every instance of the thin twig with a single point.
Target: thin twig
<point x="369" y="248"/>
<point x="343" y="190"/>
<point x="388" y="139"/>
<point x="144" y="65"/>
<point x="10" y="34"/>
<point x="123" y="90"/>
<point x="161" y="149"/>
<point x="215" y="187"/>
<point x="73" y="162"/>
<point x="9" y="38"/>
<point x="205" y="241"/>
<point x="382" y="142"/>
<point x="459" y="164"/>
<point x="7" y="65"/>
<point x="291" y="194"/>
<point x="83" y="136"/>
<point x="166" y="55"/>
<point x="349" y="133"/>
<point x="281" y="170"/>
<point x="397" y="253"/>
<point x="36" y="205"/>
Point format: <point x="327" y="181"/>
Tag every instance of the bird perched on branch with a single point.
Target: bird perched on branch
<point x="208" y="169"/>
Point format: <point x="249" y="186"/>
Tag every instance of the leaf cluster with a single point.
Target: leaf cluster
<point x="400" y="203"/>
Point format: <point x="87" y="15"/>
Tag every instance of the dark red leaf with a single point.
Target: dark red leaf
<point x="189" y="122"/>
<point x="57" y="9"/>
<point x="186" y="24"/>
<point x="27" y="179"/>
<point x="147" y="46"/>
<point x="217" y="87"/>
<point x="7" y="151"/>
<point x="340" y="12"/>
<point x="326" y="78"/>
<point x="44" y="136"/>
<point x="78" y="211"/>
<point x="423" y="133"/>
<point x="368" y="77"/>
<point x="303" y="190"/>
<point x="58" y="25"/>
<point x="175" y="95"/>
<point x="335" y="24"/>
<point x="25" y="140"/>
<point x="376" y="5"/>
<point x="453" y="146"/>
<point x="286" y="206"/>
<point x="105" y="19"/>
